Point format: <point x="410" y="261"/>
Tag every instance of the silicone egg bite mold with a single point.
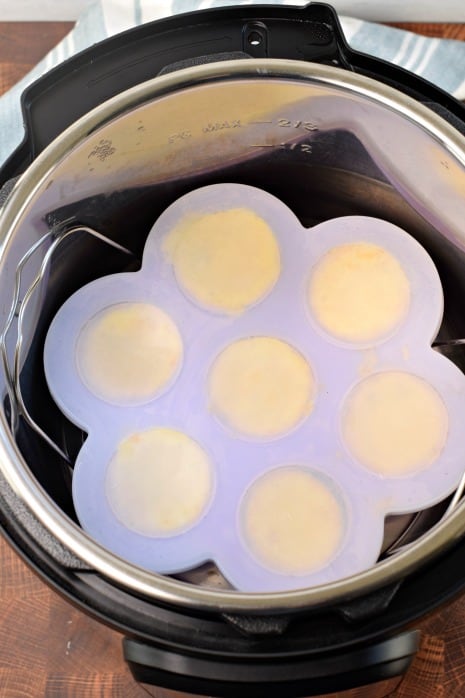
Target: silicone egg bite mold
<point x="258" y="394"/>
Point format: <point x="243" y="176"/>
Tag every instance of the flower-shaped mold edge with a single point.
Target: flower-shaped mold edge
<point x="315" y="444"/>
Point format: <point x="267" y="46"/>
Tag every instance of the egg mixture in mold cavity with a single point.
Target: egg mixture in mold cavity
<point x="233" y="485"/>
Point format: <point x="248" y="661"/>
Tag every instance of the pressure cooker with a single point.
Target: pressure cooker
<point x="264" y="96"/>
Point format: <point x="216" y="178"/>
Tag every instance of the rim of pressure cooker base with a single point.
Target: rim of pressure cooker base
<point x="12" y="464"/>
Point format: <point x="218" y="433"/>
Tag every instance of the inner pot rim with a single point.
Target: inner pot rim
<point x="12" y="464"/>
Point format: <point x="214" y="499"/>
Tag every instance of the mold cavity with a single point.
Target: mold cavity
<point x="128" y="353"/>
<point x="358" y="292"/>
<point x="224" y="260"/>
<point x="261" y="387"/>
<point x="159" y="482"/>
<point x="394" y="423"/>
<point x="292" y="520"/>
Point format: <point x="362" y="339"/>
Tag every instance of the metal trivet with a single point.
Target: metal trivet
<point x="207" y="575"/>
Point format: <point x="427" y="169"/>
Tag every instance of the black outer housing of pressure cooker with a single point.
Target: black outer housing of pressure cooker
<point x="365" y="640"/>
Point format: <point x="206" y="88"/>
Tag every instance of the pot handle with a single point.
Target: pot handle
<point x="280" y="676"/>
<point x="85" y="81"/>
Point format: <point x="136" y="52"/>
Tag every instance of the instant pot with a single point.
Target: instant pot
<point x="260" y="95"/>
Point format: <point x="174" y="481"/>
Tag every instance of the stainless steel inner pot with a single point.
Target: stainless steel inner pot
<point x="327" y="142"/>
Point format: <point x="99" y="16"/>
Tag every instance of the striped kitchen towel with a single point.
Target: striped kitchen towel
<point x="440" y="61"/>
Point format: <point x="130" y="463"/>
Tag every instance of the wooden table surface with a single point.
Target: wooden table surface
<point x="48" y="649"/>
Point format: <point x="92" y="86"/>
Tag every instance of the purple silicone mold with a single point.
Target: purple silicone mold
<point x="315" y="443"/>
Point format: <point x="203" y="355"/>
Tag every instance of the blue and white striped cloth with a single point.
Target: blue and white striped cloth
<point x="440" y="61"/>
